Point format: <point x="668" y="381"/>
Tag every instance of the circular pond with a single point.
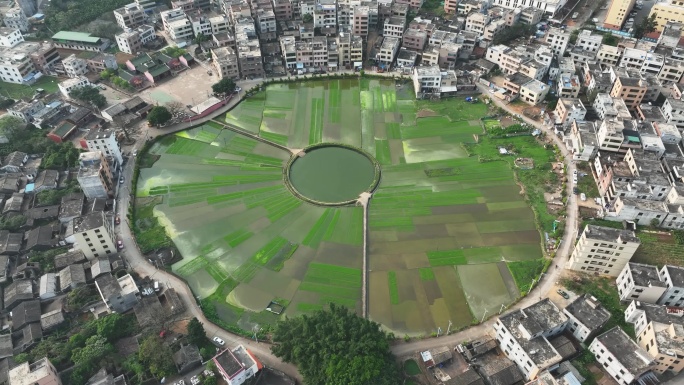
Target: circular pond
<point x="330" y="174"/>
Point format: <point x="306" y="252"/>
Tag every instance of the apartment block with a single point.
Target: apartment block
<point x="586" y="316"/>
<point x="672" y="70"/>
<point x="568" y="86"/>
<point x="583" y="141"/>
<point x="549" y="7"/>
<point x="360" y="20"/>
<point x="119" y="294"/>
<point x="660" y="331"/>
<point x="668" y="11"/>
<point x="609" y="108"/>
<point x="94" y="235"/>
<point x="673" y="276"/>
<point x="130" y="16"/>
<point x="41" y="372"/>
<point x="236" y="366"/>
<point x="325" y="14"/>
<point x="283" y="9"/>
<point x="74" y="66"/>
<point x="414" y="39"/>
<point x="104" y="140"/>
<point x="608" y="55"/>
<point x="534" y="92"/>
<point x="617" y="13"/>
<point x="524" y="336"/>
<point x="225" y="62"/>
<point x="177" y="25"/>
<point x="589" y="41"/>
<point x="95" y="175"/>
<point x="15" y="18"/>
<point x="603" y="250"/>
<point x="569" y="110"/>
<point x="631" y="90"/>
<point x="388" y="51"/>
<point x="133" y="41"/>
<point x="670" y="35"/>
<point x="66" y="86"/>
<point x="640" y="282"/>
<point x="394" y="27"/>
<point x="621" y="357"/>
<point x="476" y="22"/>
<point x="248" y="49"/>
<point x="673" y="110"/>
<point x="558" y="40"/>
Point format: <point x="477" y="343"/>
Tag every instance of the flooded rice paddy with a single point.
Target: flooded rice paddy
<point x="442" y="224"/>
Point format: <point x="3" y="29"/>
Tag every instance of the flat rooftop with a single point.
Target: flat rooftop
<point x="645" y="275"/>
<point x="589" y="312"/>
<point x="628" y="353"/>
<point x="610" y="234"/>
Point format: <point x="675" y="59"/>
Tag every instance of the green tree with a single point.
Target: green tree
<point x="156" y="356"/>
<point x="224" y="86"/>
<point x="9" y="125"/>
<point x="159" y="115"/>
<point x="107" y="73"/>
<point x="196" y="333"/>
<point x="646" y="26"/>
<point x="336" y="347"/>
<point x="513" y="32"/>
<point x="200" y="38"/>
<point x="610" y="39"/>
<point x="12" y="223"/>
<point x="89" y="94"/>
<point x="96" y="348"/>
<point x="174" y="51"/>
<point x="307" y="18"/>
<point x="210" y="380"/>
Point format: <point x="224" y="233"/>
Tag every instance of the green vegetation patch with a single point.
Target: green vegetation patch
<point x="411" y="367"/>
<point x="447" y="258"/>
<point x="426" y="274"/>
<point x="393" y="288"/>
<point x="526" y="272"/>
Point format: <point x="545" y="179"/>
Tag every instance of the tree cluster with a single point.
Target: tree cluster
<point x="513" y="32"/>
<point x="121" y="83"/>
<point x="89" y="95"/>
<point x="9" y="125"/>
<point x="60" y="156"/>
<point x="646" y="26"/>
<point x="159" y="115"/>
<point x="336" y="347"/>
<point x="66" y="15"/>
<point x="224" y="86"/>
<point x="174" y="52"/>
<point x="54" y="197"/>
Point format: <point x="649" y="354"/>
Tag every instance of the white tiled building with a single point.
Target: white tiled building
<point x="74" y="66"/>
<point x="70" y="84"/>
<point x="586" y="316"/>
<point x="639" y="282"/>
<point x="523" y="336"/>
<point x="603" y="250"/>
<point x="621" y="357"/>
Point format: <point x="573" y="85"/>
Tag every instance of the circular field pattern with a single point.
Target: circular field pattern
<point x="450" y="236"/>
<point x="331" y="175"/>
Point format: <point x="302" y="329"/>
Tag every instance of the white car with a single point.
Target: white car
<point x="219" y="341"/>
<point x="194" y="380"/>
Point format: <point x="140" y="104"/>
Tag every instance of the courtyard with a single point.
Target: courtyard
<point x="451" y="237"/>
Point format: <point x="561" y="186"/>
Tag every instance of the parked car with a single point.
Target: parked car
<point x="119" y="244"/>
<point x="563" y="294"/>
<point x="117" y="220"/>
<point x="219" y="341"/>
<point x="575" y="190"/>
<point x="121" y="180"/>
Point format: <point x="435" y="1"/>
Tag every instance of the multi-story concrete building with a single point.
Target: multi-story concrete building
<point x="534" y="92"/>
<point x="639" y="282"/>
<point x="225" y="62"/>
<point x="673" y="276"/>
<point x="617" y="13"/>
<point x="25" y="110"/>
<point x="10" y="37"/>
<point x="350" y="50"/>
<point x="250" y="60"/>
<point x="673" y="110"/>
<point x="631" y="90"/>
<point x="133" y="41"/>
<point x="360" y="20"/>
<point x="550" y="7"/>
<point x="477" y="22"/>
<point x="667" y="11"/>
<point x="569" y="110"/>
<point x="388" y="51"/>
<point x="603" y="250"/>
<point x="609" y="108"/>
<point x="524" y="335"/>
<point x="568" y="86"/>
<point x="325" y="14"/>
<point x="74" y="66"/>
<point x="236" y="366"/>
<point x="671" y="34"/>
<point x="95" y="175"/>
<point x="583" y="141"/>
<point x="177" y="25"/>
<point x="621" y="357"/>
<point x="130" y="16"/>
<point x="104" y="140"/>
<point x="608" y="55"/>
<point x="660" y="331"/>
<point x="147" y="5"/>
<point x="15" y="18"/>
<point x="589" y="41"/>
<point x="672" y="70"/>
<point x="450" y="6"/>
<point x="413" y="4"/>
<point x="586" y="316"/>
<point x="653" y="63"/>
<point x="79" y="41"/>
<point x="94" y="235"/>
<point x="66" y="86"/>
<point x="558" y="40"/>
<point x="119" y="295"/>
<point x="41" y="372"/>
<point x="414" y="39"/>
<point x="394" y="27"/>
<point x="283" y="9"/>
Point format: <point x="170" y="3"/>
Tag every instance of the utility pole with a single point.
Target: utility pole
<point x="449" y="327"/>
<point x="502" y="308"/>
<point x="532" y="286"/>
<point x="483" y="316"/>
<point x="439" y="331"/>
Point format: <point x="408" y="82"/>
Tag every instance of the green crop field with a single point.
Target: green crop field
<point x="450" y="236"/>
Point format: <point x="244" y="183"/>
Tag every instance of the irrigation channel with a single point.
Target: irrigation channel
<point x="363" y="199"/>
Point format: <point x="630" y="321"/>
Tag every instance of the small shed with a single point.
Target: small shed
<point x="62" y="131"/>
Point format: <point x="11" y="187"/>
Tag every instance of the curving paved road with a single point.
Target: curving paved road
<point x="138" y="262"/>
<point x="547" y="281"/>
